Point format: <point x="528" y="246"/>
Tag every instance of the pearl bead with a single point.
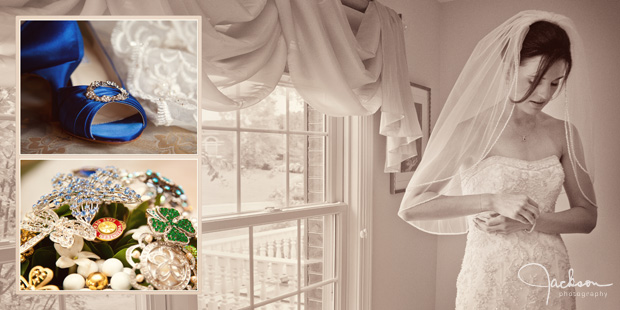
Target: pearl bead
<point x="73" y="281"/>
<point x="120" y="281"/>
<point x="148" y="238"/>
<point x="111" y="266"/>
<point x="86" y="269"/>
<point x="100" y="263"/>
<point x="139" y="278"/>
<point x="189" y="256"/>
<point x="135" y="254"/>
<point x="194" y="279"/>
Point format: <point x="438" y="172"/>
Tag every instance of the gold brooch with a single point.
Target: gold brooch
<point x="37" y="280"/>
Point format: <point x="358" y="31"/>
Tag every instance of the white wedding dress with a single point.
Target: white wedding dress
<point x="489" y="277"/>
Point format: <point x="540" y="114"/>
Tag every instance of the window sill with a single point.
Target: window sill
<point x="265" y="217"/>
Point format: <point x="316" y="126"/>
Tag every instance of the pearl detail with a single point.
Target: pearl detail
<point x="111" y="266"/>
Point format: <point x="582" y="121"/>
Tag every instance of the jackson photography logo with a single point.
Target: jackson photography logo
<point x="565" y="284"/>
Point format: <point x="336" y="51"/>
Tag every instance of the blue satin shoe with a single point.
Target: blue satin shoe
<point x="69" y="52"/>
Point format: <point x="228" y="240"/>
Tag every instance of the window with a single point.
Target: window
<point x="271" y="217"/>
<point x="269" y="156"/>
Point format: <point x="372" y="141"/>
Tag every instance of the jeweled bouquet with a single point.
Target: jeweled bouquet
<point x="109" y="229"/>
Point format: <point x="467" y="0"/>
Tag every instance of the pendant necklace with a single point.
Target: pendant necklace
<point x="523" y="137"/>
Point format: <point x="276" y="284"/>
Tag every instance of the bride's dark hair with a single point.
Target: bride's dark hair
<point x="549" y="41"/>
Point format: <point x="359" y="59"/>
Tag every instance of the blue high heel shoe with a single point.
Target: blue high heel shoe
<point x="63" y="52"/>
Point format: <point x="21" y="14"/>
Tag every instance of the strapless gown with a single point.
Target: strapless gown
<point x="489" y="277"/>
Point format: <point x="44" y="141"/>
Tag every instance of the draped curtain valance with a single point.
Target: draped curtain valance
<point x="248" y="44"/>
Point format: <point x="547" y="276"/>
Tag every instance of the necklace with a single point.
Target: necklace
<point x="523" y="137"/>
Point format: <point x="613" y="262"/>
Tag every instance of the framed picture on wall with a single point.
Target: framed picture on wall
<point x="422" y="104"/>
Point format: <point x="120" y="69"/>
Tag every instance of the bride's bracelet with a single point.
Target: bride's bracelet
<point x="532" y="228"/>
<point x="98" y="205"/>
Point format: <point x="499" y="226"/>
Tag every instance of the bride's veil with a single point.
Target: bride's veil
<point x="478" y="109"/>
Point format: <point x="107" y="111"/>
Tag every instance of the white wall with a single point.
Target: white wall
<point x="404" y="258"/>
<point x="594" y="256"/>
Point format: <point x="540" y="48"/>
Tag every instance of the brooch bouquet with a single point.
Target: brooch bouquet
<point x="95" y="232"/>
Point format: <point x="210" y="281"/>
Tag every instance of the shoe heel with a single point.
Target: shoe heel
<point x="52" y="50"/>
<point x="58" y="76"/>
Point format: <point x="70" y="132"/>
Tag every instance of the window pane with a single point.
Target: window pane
<point x="289" y="303"/>
<point x="220" y="119"/>
<point x="316" y="120"/>
<point x="298" y="168"/>
<point x="302" y="117"/>
<point x="270" y="113"/>
<point x="319" y="298"/>
<point x="297" y="108"/>
<point x="316" y="169"/>
<point x="306" y="169"/>
<point x="275" y="260"/>
<point x="11" y="301"/>
<point x="226" y="279"/>
<point x="7" y="180"/>
<point x="277" y="249"/>
<point x="219" y="174"/>
<point x="318" y="252"/>
<point x="263" y="172"/>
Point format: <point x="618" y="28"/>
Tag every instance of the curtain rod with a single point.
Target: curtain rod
<point x="358" y="5"/>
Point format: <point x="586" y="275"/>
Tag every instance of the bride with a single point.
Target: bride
<point x="513" y="132"/>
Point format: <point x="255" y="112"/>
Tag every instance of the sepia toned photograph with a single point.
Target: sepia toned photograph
<point x="347" y="155"/>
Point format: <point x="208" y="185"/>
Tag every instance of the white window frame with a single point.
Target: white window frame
<point x="349" y="178"/>
<point x="358" y="187"/>
<point x="334" y="194"/>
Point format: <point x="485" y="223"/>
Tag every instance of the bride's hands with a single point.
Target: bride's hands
<point x="517" y="207"/>
<point x="499" y="224"/>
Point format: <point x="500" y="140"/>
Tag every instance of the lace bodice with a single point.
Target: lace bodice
<point x="489" y="273"/>
<point x="541" y="180"/>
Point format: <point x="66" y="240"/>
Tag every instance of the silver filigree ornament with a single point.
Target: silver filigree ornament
<point x="60" y="229"/>
<point x="163" y="266"/>
<point x="163" y="263"/>
<point x="85" y="194"/>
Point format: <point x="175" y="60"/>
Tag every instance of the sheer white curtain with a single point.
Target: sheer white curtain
<point x="248" y="44"/>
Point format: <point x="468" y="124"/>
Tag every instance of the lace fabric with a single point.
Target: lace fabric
<point x="161" y="64"/>
<point x="489" y="277"/>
